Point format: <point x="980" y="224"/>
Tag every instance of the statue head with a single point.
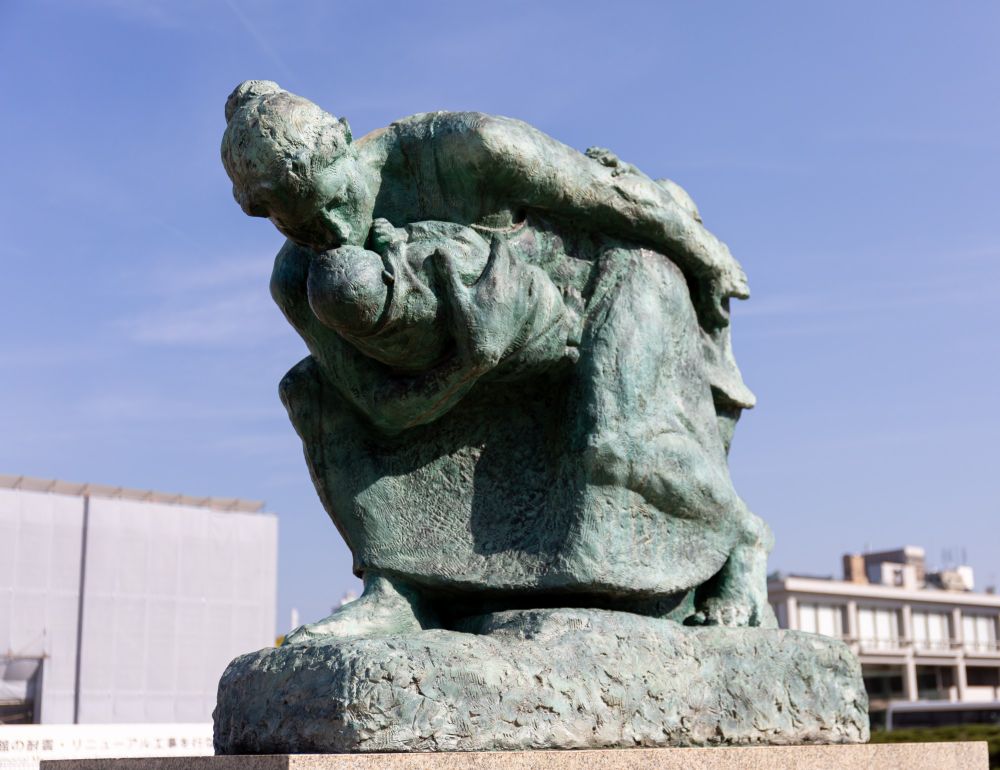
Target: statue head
<point x="294" y="163"/>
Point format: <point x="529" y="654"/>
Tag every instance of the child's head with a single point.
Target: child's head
<point x="293" y="162"/>
<point x="348" y="290"/>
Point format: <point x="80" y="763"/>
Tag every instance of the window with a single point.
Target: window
<point x="780" y="612"/>
<point x="982" y="677"/>
<point x="878" y="628"/>
<point x="883" y="682"/>
<point x="826" y="619"/>
<point x="979" y="633"/>
<point x="935" y="682"/>
<point x="931" y="630"/>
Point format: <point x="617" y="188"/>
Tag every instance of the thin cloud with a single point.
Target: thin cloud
<point x="906" y="134"/>
<point x="149" y="12"/>
<point x="260" y="40"/>
<point x="206" y="303"/>
<point x="51" y="356"/>
<point x="136" y="407"/>
<point x="955" y="288"/>
<point x="215" y="275"/>
<point x="244" y="318"/>
<point x="757" y="163"/>
<point x="284" y="444"/>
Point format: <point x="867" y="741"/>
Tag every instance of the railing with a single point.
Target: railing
<point x="933" y="693"/>
<point x="924" y="645"/>
<point x="988" y="647"/>
<point x="933" y="645"/>
<point x="884" y="645"/>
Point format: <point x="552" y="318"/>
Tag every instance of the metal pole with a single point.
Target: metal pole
<point x="79" y="609"/>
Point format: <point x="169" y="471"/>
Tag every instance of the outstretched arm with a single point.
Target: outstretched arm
<point x="545" y="174"/>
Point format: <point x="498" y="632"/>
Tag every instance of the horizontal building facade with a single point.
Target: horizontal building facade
<point x="929" y="655"/>
<point x="120" y="605"/>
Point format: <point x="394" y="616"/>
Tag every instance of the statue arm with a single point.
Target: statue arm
<point x="394" y="403"/>
<point x="545" y="174"/>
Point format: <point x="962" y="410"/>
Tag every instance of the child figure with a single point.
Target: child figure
<point x="383" y="301"/>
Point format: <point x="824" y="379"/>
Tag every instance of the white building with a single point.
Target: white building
<point x="121" y="605"/>
<point x="927" y="643"/>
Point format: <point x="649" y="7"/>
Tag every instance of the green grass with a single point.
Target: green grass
<point x="988" y="733"/>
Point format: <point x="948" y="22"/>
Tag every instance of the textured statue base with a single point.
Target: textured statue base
<point x="544" y="679"/>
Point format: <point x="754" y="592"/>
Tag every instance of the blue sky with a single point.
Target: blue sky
<point x="847" y="153"/>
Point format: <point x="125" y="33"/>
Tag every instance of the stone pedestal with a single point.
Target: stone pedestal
<point x="544" y="679"/>
<point x="900" y="756"/>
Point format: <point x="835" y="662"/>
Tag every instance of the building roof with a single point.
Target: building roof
<point x="842" y="588"/>
<point x="58" y="487"/>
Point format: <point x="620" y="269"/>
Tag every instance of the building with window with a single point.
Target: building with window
<point x="928" y="644"/>
<point x="121" y="605"/>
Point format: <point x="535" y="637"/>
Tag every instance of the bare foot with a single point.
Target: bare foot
<point x="737" y="596"/>
<point x="384" y="609"/>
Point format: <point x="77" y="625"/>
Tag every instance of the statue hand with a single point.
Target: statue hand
<point x="716" y="285"/>
<point x="487" y="317"/>
<point x="385" y="236"/>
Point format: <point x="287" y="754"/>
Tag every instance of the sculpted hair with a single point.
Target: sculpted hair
<point x="274" y="142"/>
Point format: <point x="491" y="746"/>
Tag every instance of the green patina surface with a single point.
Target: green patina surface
<point x="520" y="391"/>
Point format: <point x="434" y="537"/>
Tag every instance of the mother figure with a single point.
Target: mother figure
<point x="520" y="391"/>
